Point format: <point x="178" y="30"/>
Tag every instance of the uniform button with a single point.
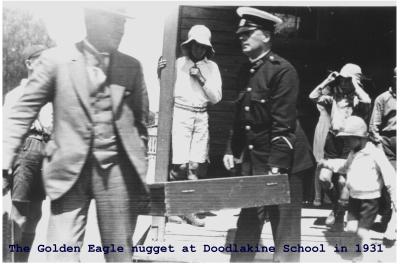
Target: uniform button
<point x="252" y="70"/>
<point x="251" y="147"/>
<point x="271" y="57"/>
<point x="246" y="108"/>
<point x="263" y="101"/>
<point x="249" y="89"/>
<point x="247" y="127"/>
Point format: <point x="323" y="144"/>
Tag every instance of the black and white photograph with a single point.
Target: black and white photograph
<point x="187" y="132"/>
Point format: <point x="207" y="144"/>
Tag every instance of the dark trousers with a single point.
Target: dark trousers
<point x="117" y="192"/>
<point x="285" y="223"/>
<point x="27" y="195"/>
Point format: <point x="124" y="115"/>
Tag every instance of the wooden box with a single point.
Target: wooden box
<point x="184" y="197"/>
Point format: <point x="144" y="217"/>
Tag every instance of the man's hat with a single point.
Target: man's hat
<point x="33" y="51"/>
<point x="121" y="12"/>
<point x="253" y="18"/>
<point x="202" y="35"/>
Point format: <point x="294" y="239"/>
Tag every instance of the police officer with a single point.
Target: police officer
<point x="266" y="134"/>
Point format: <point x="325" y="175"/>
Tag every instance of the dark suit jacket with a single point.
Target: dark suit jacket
<point x="62" y="79"/>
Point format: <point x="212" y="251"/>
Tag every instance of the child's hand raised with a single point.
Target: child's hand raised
<point x="196" y="73"/>
<point x="161" y="65"/>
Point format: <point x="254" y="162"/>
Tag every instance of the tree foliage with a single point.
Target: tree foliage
<point x="20" y="30"/>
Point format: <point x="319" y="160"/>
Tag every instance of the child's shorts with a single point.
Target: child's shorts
<point x="365" y="211"/>
<point x="190" y="136"/>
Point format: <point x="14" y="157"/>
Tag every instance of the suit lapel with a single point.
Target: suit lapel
<point x="80" y="80"/>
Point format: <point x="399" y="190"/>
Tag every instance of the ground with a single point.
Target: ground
<point x="219" y="231"/>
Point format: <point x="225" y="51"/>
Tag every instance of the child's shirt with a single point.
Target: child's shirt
<point x="188" y="90"/>
<point x="367" y="170"/>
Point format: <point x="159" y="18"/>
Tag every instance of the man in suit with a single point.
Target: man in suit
<point x="267" y="136"/>
<point x="98" y="145"/>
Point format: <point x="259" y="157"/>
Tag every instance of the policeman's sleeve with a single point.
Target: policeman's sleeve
<point x="233" y="132"/>
<point x="38" y="91"/>
<point x="283" y="114"/>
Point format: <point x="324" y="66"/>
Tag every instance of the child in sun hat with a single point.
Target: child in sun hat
<point x="198" y="84"/>
<point x="367" y="170"/>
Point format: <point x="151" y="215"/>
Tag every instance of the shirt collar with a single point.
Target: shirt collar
<point x="368" y="148"/>
<point x="259" y="57"/>
<point x="91" y="49"/>
<point x="205" y="60"/>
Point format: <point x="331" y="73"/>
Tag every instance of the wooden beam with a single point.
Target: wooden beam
<point x="166" y="96"/>
<point x="157" y="229"/>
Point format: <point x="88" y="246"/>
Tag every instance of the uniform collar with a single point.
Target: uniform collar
<point x="259" y="57"/>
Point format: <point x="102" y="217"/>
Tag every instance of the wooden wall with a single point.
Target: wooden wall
<point x="327" y="38"/>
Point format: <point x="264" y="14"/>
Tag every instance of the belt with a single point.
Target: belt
<point x="190" y="108"/>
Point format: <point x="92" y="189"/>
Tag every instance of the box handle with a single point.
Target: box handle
<point x="187" y="191"/>
<point x="271" y="184"/>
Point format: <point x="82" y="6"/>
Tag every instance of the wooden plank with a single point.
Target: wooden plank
<point x="166" y="93"/>
<point x="165" y="113"/>
<point x="184" y="197"/>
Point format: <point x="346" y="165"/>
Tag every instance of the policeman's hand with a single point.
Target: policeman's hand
<point x="229" y="162"/>
<point x="274" y="171"/>
<point x="161" y="65"/>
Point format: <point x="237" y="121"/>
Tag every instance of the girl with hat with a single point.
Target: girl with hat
<point x="198" y="83"/>
<point x="339" y="96"/>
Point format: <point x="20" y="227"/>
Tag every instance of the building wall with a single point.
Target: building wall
<point x="325" y="39"/>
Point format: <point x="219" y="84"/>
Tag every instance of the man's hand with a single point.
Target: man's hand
<point x="161" y="65"/>
<point x="229" y="162"/>
<point x="196" y="73"/>
<point x="6" y="181"/>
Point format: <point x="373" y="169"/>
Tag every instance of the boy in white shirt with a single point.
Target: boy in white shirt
<point x="367" y="170"/>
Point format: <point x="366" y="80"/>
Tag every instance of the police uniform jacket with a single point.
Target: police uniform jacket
<point x="265" y="124"/>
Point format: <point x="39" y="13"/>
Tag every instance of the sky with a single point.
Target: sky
<point x="143" y="37"/>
